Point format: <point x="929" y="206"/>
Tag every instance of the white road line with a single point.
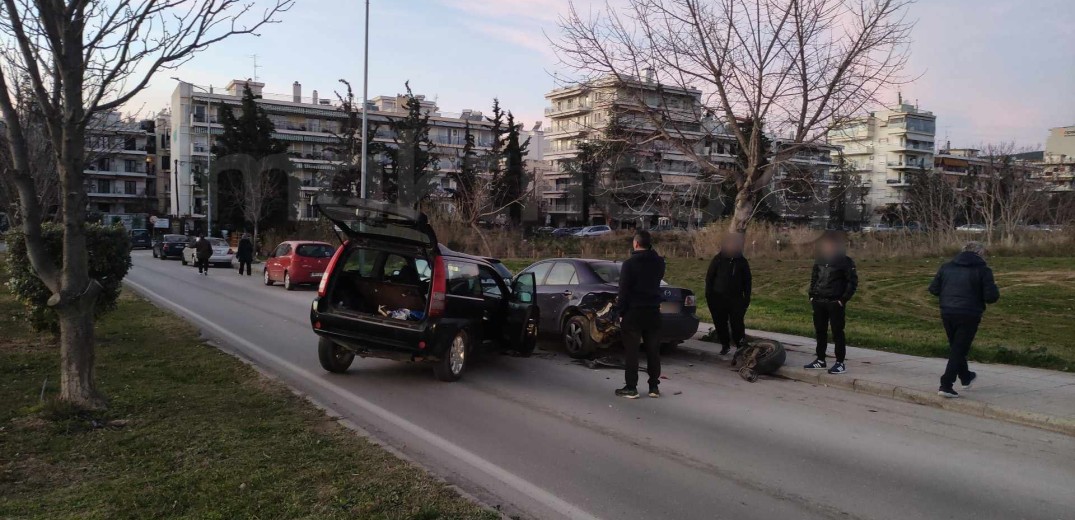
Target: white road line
<point x="517" y="483"/>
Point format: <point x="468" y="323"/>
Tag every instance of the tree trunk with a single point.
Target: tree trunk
<point x="77" y="343"/>
<point x="257" y="248"/>
<point x="744" y="210"/>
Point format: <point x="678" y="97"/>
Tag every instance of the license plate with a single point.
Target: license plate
<point x="670" y="307"/>
<point x="316" y="275"/>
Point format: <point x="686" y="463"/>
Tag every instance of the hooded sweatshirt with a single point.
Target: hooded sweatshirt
<point x="965" y="285"/>
<point x="640" y="281"/>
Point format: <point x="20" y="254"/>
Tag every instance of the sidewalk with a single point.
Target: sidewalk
<point x="1030" y="396"/>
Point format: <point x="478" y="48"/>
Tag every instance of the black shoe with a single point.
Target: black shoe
<point x="654" y="392"/>
<point x="724" y="350"/>
<point x="969" y="381"/>
<point x="818" y="364"/>
<point x="627" y="392"/>
<point x="838" y="368"/>
<point x="948" y="392"/>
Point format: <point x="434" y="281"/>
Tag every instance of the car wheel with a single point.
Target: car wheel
<point x="668" y="348"/>
<point x="577" y="340"/>
<point x="287" y="282"/>
<point x="268" y="280"/>
<point x="771" y="356"/>
<point x="527" y="341"/>
<point x="453" y="363"/>
<point x="334" y="358"/>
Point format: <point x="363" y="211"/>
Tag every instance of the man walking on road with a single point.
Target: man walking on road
<point x="833" y="282"/>
<point x="203" y="250"/>
<point x="639" y="308"/>
<point x="245" y="254"/>
<point x="965" y="286"/>
<point x="727" y="292"/>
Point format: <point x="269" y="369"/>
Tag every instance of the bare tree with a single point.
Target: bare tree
<point x="82" y="58"/>
<point x="933" y="202"/>
<point x="800" y="67"/>
<point x="1005" y="194"/>
<point x="40" y="155"/>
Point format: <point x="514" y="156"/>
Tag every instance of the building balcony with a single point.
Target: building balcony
<point x="565" y="110"/>
<point x="113" y="173"/>
<point x="910" y="165"/>
<point x="897" y="183"/>
<point x="116" y="193"/>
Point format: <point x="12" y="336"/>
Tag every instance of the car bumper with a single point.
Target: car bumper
<point x="677" y="327"/>
<point x="221" y="259"/>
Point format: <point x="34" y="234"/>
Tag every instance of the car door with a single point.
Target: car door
<point x="284" y="259"/>
<point x="558" y="292"/>
<point x="273" y="263"/>
<point x="541" y="295"/>
<point x="494" y="299"/>
<point x="521" y="328"/>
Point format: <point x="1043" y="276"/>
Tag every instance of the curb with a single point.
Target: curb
<point x="1041" y="421"/>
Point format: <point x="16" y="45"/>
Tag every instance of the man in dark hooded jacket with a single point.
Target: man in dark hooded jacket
<point x="965" y="286"/>
<point x="245" y="254"/>
<point x="833" y="282"/>
<point x="203" y="251"/>
<point x="727" y="292"/>
<point x="639" y="308"/>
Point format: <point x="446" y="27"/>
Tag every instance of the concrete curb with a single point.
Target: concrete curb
<point x="1042" y="421"/>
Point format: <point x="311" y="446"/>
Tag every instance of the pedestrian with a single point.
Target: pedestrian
<point x="245" y="254"/>
<point x="639" y="308"/>
<point x="727" y="292"/>
<point x="833" y="282"/>
<point x="203" y="250"/>
<point x="965" y="286"/>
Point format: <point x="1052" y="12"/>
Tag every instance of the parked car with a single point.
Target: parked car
<point x="392" y="291"/>
<point x="297" y="262"/>
<point x="169" y="246"/>
<point x="593" y="231"/>
<point x="140" y="239"/>
<point x="878" y="228"/>
<point x="564" y="232"/>
<point x="575" y="297"/>
<point x="222" y="253"/>
<point x="972" y="228"/>
<point x="544" y="230"/>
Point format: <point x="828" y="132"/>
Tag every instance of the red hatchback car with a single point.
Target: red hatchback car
<point x="298" y="262"/>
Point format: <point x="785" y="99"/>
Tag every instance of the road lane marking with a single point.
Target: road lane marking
<point x="513" y="481"/>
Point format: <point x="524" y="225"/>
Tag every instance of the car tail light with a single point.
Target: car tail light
<point x="230" y="252"/>
<point x="440" y="287"/>
<point x="323" y="287"/>
<point x="689" y="301"/>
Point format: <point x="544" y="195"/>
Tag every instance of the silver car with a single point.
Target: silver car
<point x="222" y="253"/>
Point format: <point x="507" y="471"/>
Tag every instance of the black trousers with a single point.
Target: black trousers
<point x="244" y="263"/>
<point x="639" y="329"/>
<point x="728" y="315"/>
<point x="961" y="330"/>
<point x="202" y="263"/>
<point x="830" y="313"/>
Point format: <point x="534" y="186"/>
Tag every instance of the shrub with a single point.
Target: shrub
<point x="109" y="258"/>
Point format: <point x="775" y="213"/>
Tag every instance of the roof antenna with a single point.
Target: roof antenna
<point x="256" y="67"/>
<point x="899" y="97"/>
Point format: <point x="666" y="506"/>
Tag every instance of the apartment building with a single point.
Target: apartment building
<point x="583" y="111"/>
<point x="162" y="138"/>
<point x="1058" y="161"/>
<point x="884" y="149"/>
<point x="309" y="125"/>
<point x="803" y="186"/>
<point x="119" y="173"/>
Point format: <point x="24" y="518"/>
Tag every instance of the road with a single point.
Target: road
<point x="545" y="438"/>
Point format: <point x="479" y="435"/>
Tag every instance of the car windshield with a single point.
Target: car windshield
<point x="315" y="250"/>
<point x="501" y="269"/>
<point x="139" y="233"/>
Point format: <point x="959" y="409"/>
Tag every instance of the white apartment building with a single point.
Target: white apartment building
<point x="582" y="111"/>
<point x="1058" y="162"/>
<point x="801" y="188"/>
<point x="309" y="125"/>
<point x="119" y="175"/>
<point x="884" y="149"/>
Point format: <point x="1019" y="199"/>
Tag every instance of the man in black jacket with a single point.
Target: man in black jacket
<point x="727" y="292"/>
<point x="639" y="308"/>
<point x="245" y="254"/>
<point x="965" y="285"/>
<point x="833" y="282"/>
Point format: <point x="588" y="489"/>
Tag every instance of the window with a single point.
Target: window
<point x="104" y="164"/>
<point x="539" y="271"/>
<point x="490" y="282"/>
<point x="463" y="279"/>
<point x="130" y="187"/>
<point x="562" y="273"/>
<point x="394" y="266"/>
<point x="130" y="165"/>
<point x="104" y="186"/>
<point x="608" y="272"/>
<point x="281" y="250"/>
<point x="315" y="250"/>
<point x="360" y="262"/>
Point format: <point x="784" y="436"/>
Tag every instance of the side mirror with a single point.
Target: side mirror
<point x="272" y="254"/>
<point x="523" y="288"/>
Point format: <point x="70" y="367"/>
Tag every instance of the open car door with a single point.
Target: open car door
<point x="371" y="222"/>
<point x="521" y="327"/>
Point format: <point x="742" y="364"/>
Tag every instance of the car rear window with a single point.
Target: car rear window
<point x="608" y="272"/>
<point x="315" y="250"/>
<point x="139" y="233"/>
<point x="217" y="242"/>
<point x="175" y="238"/>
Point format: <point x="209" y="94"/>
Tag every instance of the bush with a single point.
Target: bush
<point x="110" y="259"/>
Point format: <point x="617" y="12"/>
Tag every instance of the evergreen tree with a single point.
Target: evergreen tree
<point x="466" y="181"/>
<point x="412" y="164"/>
<point x="346" y="179"/>
<point x="514" y="181"/>
<point x="494" y="157"/>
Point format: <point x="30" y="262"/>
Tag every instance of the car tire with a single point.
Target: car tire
<point x="268" y="280"/>
<point x="526" y="342"/>
<point x="772" y="359"/>
<point x="669" y="348"/>
<point x="287" y="282"/>
<point x="333" y="357"/>
<point x="453" y="363"/>
<point x="184" y="260"/>
<point x="576" y="336"/>
<point x="155" y="253"/>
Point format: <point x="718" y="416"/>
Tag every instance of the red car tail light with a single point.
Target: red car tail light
<point x="323" y="287"/>
<point x="689" y="301"/>
<point x="440" y="288"/>
<point x="230" y="251"/>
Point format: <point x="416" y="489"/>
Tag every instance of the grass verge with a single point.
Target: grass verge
<point x="1030" y="326"/>
<point x="191" y="432"/>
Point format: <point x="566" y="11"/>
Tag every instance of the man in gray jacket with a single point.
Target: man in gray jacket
<point x="965" y="286"/>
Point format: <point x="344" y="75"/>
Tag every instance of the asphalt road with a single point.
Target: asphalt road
<point x="545" y="438"/>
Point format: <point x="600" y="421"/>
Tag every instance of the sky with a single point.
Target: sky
<point x="993" y="71"/>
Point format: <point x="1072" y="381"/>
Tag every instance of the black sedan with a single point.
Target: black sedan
<point x="575" y="297"/>
<point x="169" y="246"/>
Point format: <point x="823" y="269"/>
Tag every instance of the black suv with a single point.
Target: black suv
<point x="392" y="291"/>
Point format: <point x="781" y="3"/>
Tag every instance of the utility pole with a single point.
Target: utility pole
<point x="365" y="99"/>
